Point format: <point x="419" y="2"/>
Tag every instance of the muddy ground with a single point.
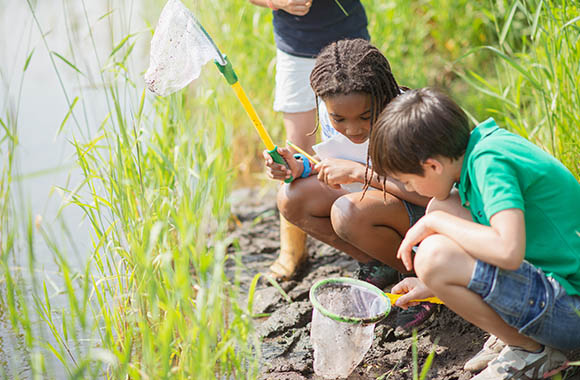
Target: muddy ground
<point x="285" y="326"/>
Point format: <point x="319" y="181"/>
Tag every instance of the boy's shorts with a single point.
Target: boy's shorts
<point x="537" y="305"/>
<point x="293" y="92"/>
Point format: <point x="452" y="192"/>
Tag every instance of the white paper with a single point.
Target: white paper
<point x="341" y="147"/>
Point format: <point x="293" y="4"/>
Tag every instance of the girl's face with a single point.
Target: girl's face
<point x="351" y="115"/>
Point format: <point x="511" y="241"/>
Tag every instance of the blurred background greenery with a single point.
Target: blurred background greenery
<point x="147" y="295"/>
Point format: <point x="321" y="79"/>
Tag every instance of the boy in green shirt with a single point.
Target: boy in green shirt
<point x="500" y="243"/>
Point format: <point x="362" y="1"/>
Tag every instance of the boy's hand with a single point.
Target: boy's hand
<point x="413" y="289"/>
<point x="335" y="172"/>
<point x="294" y="7"/>
<point x="413" y="237"/>
<point x="280" y="172"/>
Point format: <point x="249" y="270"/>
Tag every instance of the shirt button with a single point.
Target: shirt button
<point x="542" y="304"/>
<point x="532" y="302"/>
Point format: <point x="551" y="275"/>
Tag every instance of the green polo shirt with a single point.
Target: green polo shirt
<point x="502" y="170"/>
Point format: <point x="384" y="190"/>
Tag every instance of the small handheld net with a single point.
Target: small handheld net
<point x="179" y="49"/>
<point x="343" y="321"/>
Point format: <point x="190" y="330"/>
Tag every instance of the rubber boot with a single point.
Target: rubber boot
<point x="292" y="251"/>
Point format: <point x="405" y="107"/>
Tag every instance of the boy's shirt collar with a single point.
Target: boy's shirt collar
<point x="479" y="133"/>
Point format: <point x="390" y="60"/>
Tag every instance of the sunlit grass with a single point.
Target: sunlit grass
<point x="151" y="299"/>
<point x="537" y="83"/>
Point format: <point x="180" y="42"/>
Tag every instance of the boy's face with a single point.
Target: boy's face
<point x="351" y="115"/>
<point x="435" y="182"/>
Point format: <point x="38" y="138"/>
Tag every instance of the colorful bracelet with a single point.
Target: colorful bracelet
<point x="306" y="163"/>
<point x="270" y="5"/>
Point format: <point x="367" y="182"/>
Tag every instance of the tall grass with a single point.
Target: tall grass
<point x="538" y="80"/>
<point x="151" y="299"/>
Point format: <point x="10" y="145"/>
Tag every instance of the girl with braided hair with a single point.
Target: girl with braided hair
<point x="353" y="83"/>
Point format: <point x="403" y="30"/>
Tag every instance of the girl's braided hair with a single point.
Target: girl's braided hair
<point x="354" y="66"/>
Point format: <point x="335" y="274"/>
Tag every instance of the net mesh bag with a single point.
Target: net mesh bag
<point x="179" y="48"/>
<point x="343" y="321"/>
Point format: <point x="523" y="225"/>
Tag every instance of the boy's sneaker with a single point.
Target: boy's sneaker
<point x="518" y="364"/>
<point x="376" y="273"/>
<point x="413" y="318"/>
<point x="491" y="349"/>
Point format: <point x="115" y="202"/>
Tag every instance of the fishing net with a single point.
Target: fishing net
<point x="179" y="48"/>
<point x="343" y="321"/>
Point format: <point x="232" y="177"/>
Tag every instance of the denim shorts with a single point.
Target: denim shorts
<point x="537" y="305"/>
<point x="415" y="212"/>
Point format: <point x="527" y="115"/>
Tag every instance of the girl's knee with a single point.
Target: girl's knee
<point x="451" y="205"/>
<point x="344" y="217"/>
<point x="289" y="201"/>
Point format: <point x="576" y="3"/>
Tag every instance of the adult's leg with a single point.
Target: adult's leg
<point x="374" y="225"/>
<point x="292" y="239"/>
<point x="298" y="126"/>
<point x="295" y="99"/>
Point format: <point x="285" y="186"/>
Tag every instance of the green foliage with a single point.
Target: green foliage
<point x="152" y="298"/>
<point x="537" y="81"/>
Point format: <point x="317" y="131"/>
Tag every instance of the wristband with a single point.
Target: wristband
<point x="270" y="5"/>
<point x="307" y="168"/>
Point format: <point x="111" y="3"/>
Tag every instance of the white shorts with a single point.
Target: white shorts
<point x="293" y="91"/>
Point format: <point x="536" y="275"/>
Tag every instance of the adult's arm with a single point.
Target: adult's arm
<point x="295" y="7"/>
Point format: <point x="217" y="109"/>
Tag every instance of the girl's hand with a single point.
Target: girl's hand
<point x="335" y="172"/>
<point x="413" y="289"/>
<point x="280" y="172"/>
<point x="294" y="7"/>
<point x="413" y="237"/>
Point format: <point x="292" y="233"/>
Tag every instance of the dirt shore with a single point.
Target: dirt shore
<point x="285" y="327"/>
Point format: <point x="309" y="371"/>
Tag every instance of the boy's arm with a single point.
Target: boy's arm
<point x="502" y="244"/>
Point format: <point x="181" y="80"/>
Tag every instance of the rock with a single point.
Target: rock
<point x="266" y="299"/>
<point x="295" y="315"/>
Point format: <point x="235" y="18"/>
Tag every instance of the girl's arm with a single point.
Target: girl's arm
<point x="335" y="172"/>
<point x="281" y="172"/>
<point x="502" y="244"/>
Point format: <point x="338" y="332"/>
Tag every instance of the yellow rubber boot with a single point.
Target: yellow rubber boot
<point x="292" y="251"/>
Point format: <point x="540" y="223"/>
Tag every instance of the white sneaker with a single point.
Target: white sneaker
<point x="491" y="349"/>
<point x="517" y="364"/>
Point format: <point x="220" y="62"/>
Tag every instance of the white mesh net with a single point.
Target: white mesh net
<point x="338" y="346"/>
<point x="179" y="49"/>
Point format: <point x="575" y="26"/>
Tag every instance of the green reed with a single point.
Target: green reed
<point x="152" y="300"/>
<point x="537" y="81"/>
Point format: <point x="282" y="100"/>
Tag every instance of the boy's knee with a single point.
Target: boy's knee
<point x="431" y="259"/>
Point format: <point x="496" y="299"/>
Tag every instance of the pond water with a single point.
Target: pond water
<point x="38" y="99"/>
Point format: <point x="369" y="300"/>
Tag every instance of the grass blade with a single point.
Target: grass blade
<point x="69" y="63"/>
<point x="69" y="112"/>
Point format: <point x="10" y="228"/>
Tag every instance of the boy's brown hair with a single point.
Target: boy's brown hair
<point x="415" y="126"/>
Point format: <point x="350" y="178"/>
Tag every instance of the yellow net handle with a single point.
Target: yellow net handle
<point x="394" y="297"/>
<point x="240" y="93"/>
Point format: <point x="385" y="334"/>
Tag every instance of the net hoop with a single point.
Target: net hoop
<point x="341" y="318"/>
<point x="221" y="59"/>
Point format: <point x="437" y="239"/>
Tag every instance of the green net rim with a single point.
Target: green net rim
<point x="340" y="318"/>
